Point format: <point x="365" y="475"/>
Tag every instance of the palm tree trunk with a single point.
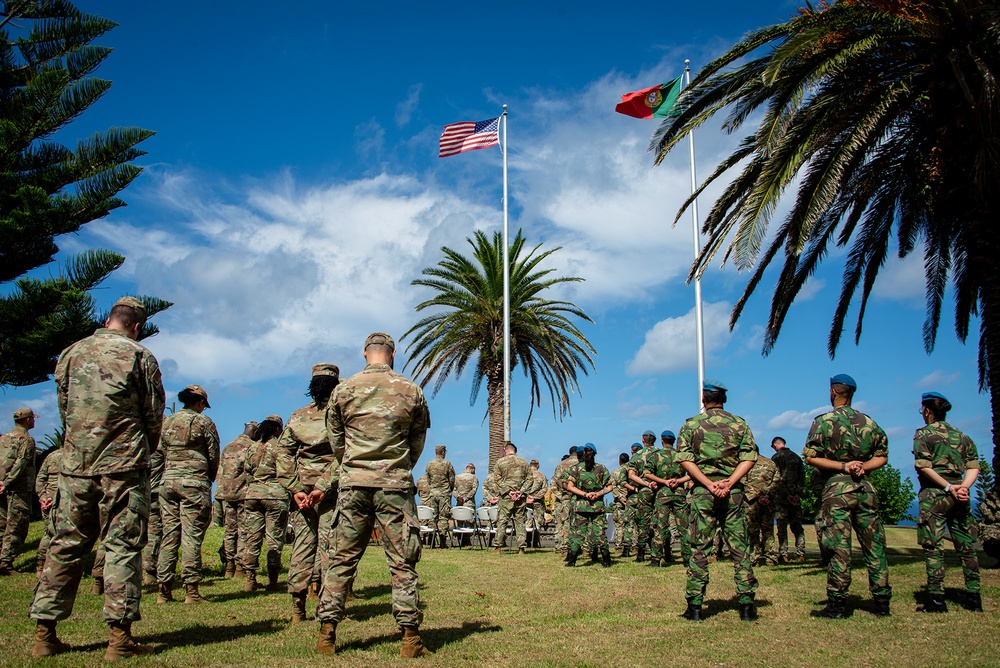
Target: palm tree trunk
<point x="494" y="402"/>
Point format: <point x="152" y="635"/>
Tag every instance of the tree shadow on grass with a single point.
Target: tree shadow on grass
<point x="433" y="638"/>
<point x="198" y="634"/>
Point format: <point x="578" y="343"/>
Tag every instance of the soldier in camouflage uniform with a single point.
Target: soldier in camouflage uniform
<point x="266" y="505"/>
<point x="466" y="487"/>
<point x="17" y="475"/>
<point x="46" y="484"/>
<point x="947" y="464"/>
<point x="760" y="487"/>
<point x="111" y="402"/>
<point x="844" y="446"/>
<point x="231" y="489"/>
<point x="535" y="501"/>
<point x="513" y="480"/>
<point x="304" y="454"/>
<point x="664" y="470"/>
<point x="588" y="482"/>
<point x="562" y="499"/>
<point x="623" y="515"/>
<point x="190" y="445"/>
<point x="377" y="421"/>
<point x="423" y="489"/>
<point x="717" y="449"/>
<point x="154" y="528"/>
<point x="787" y="505"/>
<point x="440" y="485"/>
<point x="643" y="501"/>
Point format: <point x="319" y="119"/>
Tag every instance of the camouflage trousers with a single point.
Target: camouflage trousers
<point x="939" y="509"/>
<point x="358" y="509"/>
<point x="562" y="513"/>
<point x="186" y="512"/>
<point x="112" y="509"/>
<point x="842" y="511"/>
<point x="15" y="516"/>
<point x="680" y="514"/>
<point x="707" y="514"/>
<point x="510" y="512"/>
<point x="234" y="539"/>
<point x="311" y="528"/>
<point x="663" y="510"/>
<point x="760" y="533"/>
<point x="43" y="543"/>
<point x="442" y="510"/>
<point x="589" y="531"/>
<point x="264" y="516"/>
<point x="642" y="504"/>
<point x="624" y="518"/>
<point x="154" y="536"/>
<point x="789" y="516"/>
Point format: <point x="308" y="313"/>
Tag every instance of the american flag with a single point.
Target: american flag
<point x="468" y="136"/>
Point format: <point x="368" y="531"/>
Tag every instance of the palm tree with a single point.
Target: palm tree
<point x="469" y="328"/>
<point x="884" y="117"/>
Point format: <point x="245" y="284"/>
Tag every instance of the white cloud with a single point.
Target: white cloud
<point x="901" y="280"/>
<point x="406" y="107"/>
<point x="794" y="419"/>
<point x="671" y="344"/>
<point x="935" y="379"/>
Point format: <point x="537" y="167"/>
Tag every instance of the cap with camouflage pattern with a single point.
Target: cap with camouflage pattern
<point x="251" y="423"/>
<point x="135" y="303"/>
<point x="275" y="418"/>
<point x="380" y="338"/>
<point x="533" y="462"/>
<point x="24" y="414"/>
<point x="326" y="369"/>
<point x="199" y="391"/>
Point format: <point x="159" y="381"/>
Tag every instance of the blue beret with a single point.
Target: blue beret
<point x="933" y="395"/>
<point x="637" y="446"/>
<point x="713" y="386"/>
<point x="844" y="379"/>
<point x="648" y="433"/>
<point x="590" y="446"/>
<point x="667" y="434"/>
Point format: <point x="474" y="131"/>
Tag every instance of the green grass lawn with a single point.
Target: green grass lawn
<point x="482" y="609"/>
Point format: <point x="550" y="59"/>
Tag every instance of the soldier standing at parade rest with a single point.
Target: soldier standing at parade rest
<point x="17" y="475"/>
<point x="947" y="464"/>
<point x="111" y="402"/>
<point x="440" y="485"/>
<point x="717" y="449"/>
<point x="266" y="505"/>
<point x="232" y="489"/>
<point x="663" y="469"/>
<point x="760" y="486"/>
<point x="304" y="453"/>
<point x="846" y="445"/>
<point x="190" y="445"/>
<point x="623" y="515"/>
<point x="46" y="484"/>
<point x="638" y="465"/>
<point x="563" y="507"/>
<point x="787" y="504"/>
<point x="154" y="529"/>
<point x="466" y="487"/>
<point x="588" y="482"/>
<point x="513" y="480"/>
<point x="377" y="421"/>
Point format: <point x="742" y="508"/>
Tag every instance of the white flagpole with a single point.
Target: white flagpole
<point x="699" y="324"/>
<point x="506" y="294"/>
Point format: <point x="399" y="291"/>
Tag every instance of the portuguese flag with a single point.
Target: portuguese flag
<point x="655" y="102"/>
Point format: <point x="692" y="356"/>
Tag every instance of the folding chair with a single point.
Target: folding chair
<point x="484" y="521"/>
<point x="529" y="527"/>
<point x="426" y="516"/>
<point x="465" y="524"/>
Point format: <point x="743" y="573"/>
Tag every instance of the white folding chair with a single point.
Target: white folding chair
<point x="465" y="524"/>
<point x="426" y="515"/>
<point x="484" y="520"/>
<point x="529" y="526"/>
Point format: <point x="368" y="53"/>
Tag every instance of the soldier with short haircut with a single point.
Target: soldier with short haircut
<point x="17" y="475"/>
<point x="947" y="464"/>
<point x="266" y="505"/>
<point x="563" y="505"/>
<point x="623" y="515"/>
<point x="588" y="482"/>
<point x="111" y="402"/>
<point x="639" y="464"/>
<point x="46" y="484"/>
<point x="231" y="489"/>
<point x="466" y="487"/>
<point x="513" y="480"/>
<point x="663" y="469"/>
<point x="717" y="449"/>
<point x="760" y="487"/>
<point x="440" y="485"/>
<point x="787" y="503"/>
<point x="190" y="445"/>
<point x="154" y="528"/>
<point x="846" y="445"/>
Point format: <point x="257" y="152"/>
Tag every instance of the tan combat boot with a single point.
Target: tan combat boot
<point x="412" y="648"/>
<point x="121" y="644"/>
<point x="298" y="607"/>
<point x="98" y="588"/>
<point x="327" y="642"/>
<point x="46" y="642"/>
<point x="251" y="582"/>
<point x="165" y="593"/>
<point x="230" y="569"/>
<point x="191" y="594"/>
<point x="148" y="579"/>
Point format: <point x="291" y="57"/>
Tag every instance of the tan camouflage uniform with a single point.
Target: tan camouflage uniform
<point x="511" y="473"/>
<point x="232" y="489"/>
<point x="17" y="472"/>
<point x="563" y="501"/>
<point x="440" y="485"/>
<point x="46" y="484"/>
<point x="266" y="508"/>
<point x="466" y="488"/>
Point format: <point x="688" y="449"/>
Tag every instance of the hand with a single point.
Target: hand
<point x="315" y="498"/>
<point x="793" y="499"/>
<point x="530" y="501"/>
<point x="764" y="500"/>
<point x="45" y="503"/>
<point x="960" y="493"/>
<point x="301" y="500"/>
<point x="494" y="500"/>
<point x="856" y="469"/>
<point x="460" y="500"/>
<point x="672" y="483"/>
<point x="653" y="486"/>
<point x="3" y="488"/>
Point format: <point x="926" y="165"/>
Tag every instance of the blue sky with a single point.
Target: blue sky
<point x="293" y="191"/>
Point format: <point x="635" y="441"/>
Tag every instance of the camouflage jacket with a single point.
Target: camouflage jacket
<point x="17" y="459"/>
<point x="111" y="402"/>
<point x="793" y="473"/>
<point x="261" y="468"/>
<point x="716" y="441"/>
<point x="845" y="435"/>
<point x="489" y="488"/>
<point x="232" y="482"/>
<point x="47" y="480"/>
<point x="763" y="479"/>
<point x="665" y="465"/>
<point x="946" y="450"/>
<point x="619" y="478"/>
<point x="190" y="445"/>
<point x="559" y="477"/>
<point x="423" y="489"/>
<point x="642" y="460"/>
<point x="440" y="477"/>
<point x="539" y="485"/>
<point x="512" y="473"/>
<point x="304" y="451"/>
<point x="466" y="487"/>
<point x="594" y="480"/>
<point x="377" y="421"/>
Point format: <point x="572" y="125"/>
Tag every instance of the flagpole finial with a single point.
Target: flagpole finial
<point x="505" y="109"/>
<point x="687" y="64"/>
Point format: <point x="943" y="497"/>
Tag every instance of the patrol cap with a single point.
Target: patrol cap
<point x="470" y="465"/>
<point x="667" y="434"/>
<point x="135" y="303"/>
<point x="589" y="446"/>
<point x="24" y="414"/>
<point x="439" y="449"/>
<point x="533" y="462"/>
<point x="198" y="390"/>
<point x="844" y="379"/>
<point x="326" y="369"/>
<point x="649" y="432"/>
<point x="710" y="385"/>
<point x="381" y="339"/>
<point x="275" y="418"/>
<point x="923" y="397"/>
<point x="252" y="423"/>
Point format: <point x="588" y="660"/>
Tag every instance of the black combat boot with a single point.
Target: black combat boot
<point x="834" y="610"/>
<point x="655" y="563"/>
<point x="693" y="612"/>
<point x="973" y="601"/>
<point x="571" y="557"/>
<point x="881" y="606"/>
<point x="748" y="612"/>
<point x="935" y="603"/>
<point x="594" y="554"/>
<point x="605" y="557"/>
<point x="626" y="552"/>
<point x="640" y="554"/>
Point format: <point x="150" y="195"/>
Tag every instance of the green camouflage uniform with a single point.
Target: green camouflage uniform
<point x="788" y="514"/>
<point x="440" y="485"/>
<point x="466" y="487"/>
<point x="590" y="520"/>
<point x="111" y="401"/>
<point x="265" y="507"/>
<point x="563" y="505"/>
<point x="46" y="484"/>
<point x="763" y="480"/>
<point x="717" y="441"/>
<point x="622" y="515"/>
<point x="667" y="503"/>
<point x="377" y="421"/>
<point x="190" y="445"/>
<point x="17" y="471"/>
<point x="950" y="453"/>
<point x="304" y="454"/>
<point x="846" y="435"/>
<point x="232" y="489"/>
<point x="642" y="501"/>
<point x="511" y="473"/>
